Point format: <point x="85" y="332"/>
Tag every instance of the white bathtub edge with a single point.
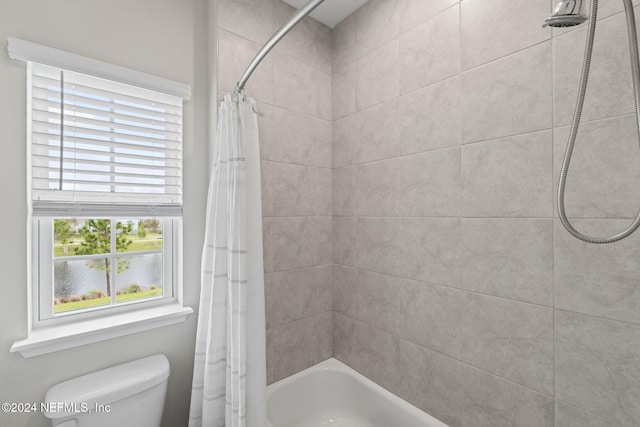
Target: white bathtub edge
<point x="333" y="364"/>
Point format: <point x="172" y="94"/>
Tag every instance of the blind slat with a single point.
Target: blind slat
<point x="169" y="149"/>
<point x="77" y="124"/>
<point x="53" y="163"/>
<point x="52" y="109"/>
<point x="170" y="113"/>
<point x="90" y="171"/>
<point x="96" y="210"/>
<point x="106" y="183"/>
<point x="104" y="157"/>
<point x="99" y="135"/>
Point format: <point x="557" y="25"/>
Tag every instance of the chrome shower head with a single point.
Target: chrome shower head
<point x="567" y="13"/>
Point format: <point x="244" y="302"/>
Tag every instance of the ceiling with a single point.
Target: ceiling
<point x="331" y="12"/>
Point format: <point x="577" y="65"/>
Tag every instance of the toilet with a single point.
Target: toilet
<point x="127" y="395"/>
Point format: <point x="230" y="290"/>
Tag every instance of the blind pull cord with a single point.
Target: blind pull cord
<point x="61" y="128"/>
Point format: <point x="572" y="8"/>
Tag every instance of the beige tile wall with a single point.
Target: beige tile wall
<point x="454" y="284"/>
<point x="293" y="90"/>
<point x="433" y="131"/>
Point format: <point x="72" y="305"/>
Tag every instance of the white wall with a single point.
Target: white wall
<point x="162" y="37"/>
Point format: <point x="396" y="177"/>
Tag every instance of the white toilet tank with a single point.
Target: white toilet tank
<point x="127" y="395"/>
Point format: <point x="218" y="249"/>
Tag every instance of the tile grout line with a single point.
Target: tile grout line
<point x="464" y="290"/>
<point x="588" y="411"/>
<point x="462" y="362"/>
<point x="461" y="210"/>
<point x="451" y="287"/>
<point x="553" y="225"/>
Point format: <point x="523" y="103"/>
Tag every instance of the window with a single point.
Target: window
<point x="81" y="268"/>
<point x="105" y="179"/>
<point x="109" y="154"/>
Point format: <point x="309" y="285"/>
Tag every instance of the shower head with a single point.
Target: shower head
<point x="567" y="13"/>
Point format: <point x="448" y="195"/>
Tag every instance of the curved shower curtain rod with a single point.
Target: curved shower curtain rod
<point x="275" y="38"/>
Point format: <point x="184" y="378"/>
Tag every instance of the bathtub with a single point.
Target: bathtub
<point x="330" y="394"/>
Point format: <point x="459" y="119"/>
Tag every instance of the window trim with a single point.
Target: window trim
<point x="34" y="52"/>
<point x="62" y="337"/>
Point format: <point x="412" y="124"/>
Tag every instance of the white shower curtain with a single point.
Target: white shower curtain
<point x="229" y="378"/>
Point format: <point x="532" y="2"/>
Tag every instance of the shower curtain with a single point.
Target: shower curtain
<point x="229" y="378"/>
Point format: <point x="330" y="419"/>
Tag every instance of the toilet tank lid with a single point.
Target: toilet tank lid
<point x="106" y="386"/>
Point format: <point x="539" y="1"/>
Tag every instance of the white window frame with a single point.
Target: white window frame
<point x="47" y="334"/>
<point x="43" y="280"/>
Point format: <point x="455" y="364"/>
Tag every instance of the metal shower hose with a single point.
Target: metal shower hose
<point x="635" y="69"/>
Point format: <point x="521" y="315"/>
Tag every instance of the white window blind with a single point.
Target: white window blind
<point x="99" y="145"/>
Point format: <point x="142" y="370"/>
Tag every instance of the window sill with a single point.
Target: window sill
<point x="56" y="338"/>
